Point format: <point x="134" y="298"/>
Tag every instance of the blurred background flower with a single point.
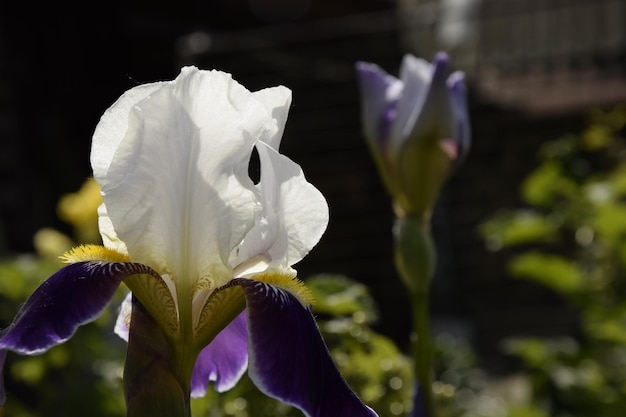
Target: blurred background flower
<point x="416" y="126"/>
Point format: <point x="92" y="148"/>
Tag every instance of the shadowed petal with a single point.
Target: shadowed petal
<point x="418" y="403"/>
<point x="288" y="357"/>
<point x="3" y="356"/>
<point x="456" y="84"/>
<point x="434" y="118"/>
<point x="380" y="93"/>
<point x="416" y="75"/>
<point x="224" y="360"/>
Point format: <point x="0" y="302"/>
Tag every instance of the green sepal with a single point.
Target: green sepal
<point x="157" y="299"/>
<point x="220" y="309"/>
<point x="414" y="253"/>
<point x="423" y="166"/>
<point x="156" y="376"/>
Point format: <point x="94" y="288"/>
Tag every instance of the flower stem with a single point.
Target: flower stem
<point x="415" y="262"/>
<point x="422" y="355"/>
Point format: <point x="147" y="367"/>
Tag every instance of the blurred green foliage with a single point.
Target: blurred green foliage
<point x="571" y="238"/>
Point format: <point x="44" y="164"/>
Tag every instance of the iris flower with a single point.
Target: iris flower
<point x="416" y="126"/>
<point x="206" y="252"/>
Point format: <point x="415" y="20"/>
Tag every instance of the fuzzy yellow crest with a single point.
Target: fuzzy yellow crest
<point x="288" y="283"/>
<point x="84" y="253"/>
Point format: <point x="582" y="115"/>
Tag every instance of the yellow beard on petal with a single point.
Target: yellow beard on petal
<point x="84" y="253"/>
<point x="288" y="283"/>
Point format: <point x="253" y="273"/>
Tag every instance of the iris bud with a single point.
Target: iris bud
<point x="416" y="126"/>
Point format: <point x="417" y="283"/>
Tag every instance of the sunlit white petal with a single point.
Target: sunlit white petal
<point x="277" y="100"/>
<point x="294" y="217"/>
<point x="112" y="128"/>
<point x="107" y="232"/>
<point x="177" y="193"/>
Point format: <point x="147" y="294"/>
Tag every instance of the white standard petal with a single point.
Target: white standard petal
<point x="112" y="128"/>
<point x="295" y="215"/>
<point x="277" y="100"/>
<point x="107" y="231"/>
<point x="177" y="191"/>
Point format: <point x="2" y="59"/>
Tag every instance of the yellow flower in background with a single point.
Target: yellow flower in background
<point x="49" y="243"/>
<point x="80" y="210"/>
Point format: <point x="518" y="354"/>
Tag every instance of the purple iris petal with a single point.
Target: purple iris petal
<point x="435" y="115"/>
<point x="416" y="76"/>
<point x="73" y="296"/>
<point x="288" y="357"/>
<point x="3" y="356"/>
<point x="456" y="84"/>
<point x="379" y="103"/>
<point x="224" y="360"/>
<point x="418" y="403"/>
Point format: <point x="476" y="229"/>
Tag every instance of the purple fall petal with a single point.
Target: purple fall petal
<point x="288" y="357"/>
<point x="224" y="360"/>
<point x="418" y="403"/>
<point x="73" y="296"/>
<point x="456" y="84"/>
<point x="3" y="356"/>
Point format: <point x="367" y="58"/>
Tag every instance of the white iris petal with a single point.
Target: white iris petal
<point x="277" y="100"/>
<point x="295" y="214"/>
<point x="176" y="190"/>
<point x="172" y="161"/>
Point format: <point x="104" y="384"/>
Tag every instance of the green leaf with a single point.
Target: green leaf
<point x="517" y="228"/>
<point x="617" y="180"/>
<point x="553" y="271"/>
<point x="533" y="351"/>
<point x="610" y="221"/>
<point x="527" y="410"/>
<point x="546" y="184"/>
<point x="338" y="295"/>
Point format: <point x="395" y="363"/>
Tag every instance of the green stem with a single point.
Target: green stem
<point x="415" y="262"/>
<point x="422" y="351"/>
